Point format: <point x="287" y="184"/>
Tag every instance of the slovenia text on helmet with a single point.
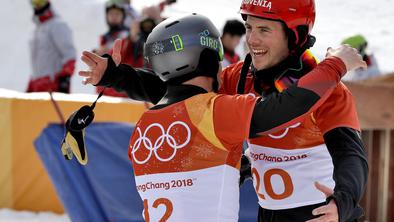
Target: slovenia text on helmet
<point x="298" y="15"/>
<point x="180" y="48"/>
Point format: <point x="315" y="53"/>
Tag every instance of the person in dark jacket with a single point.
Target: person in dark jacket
<point x="233" y="31"/>
<point x="196" y="135"/>
<point x="326" y="147"/>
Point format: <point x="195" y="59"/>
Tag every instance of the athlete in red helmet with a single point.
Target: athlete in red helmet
<point x="298" y="16"/>
<point x="278" y="36"/>
<point x="324" y="148"/>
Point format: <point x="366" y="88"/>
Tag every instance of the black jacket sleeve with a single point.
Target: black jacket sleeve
<point x="139" y="84"/>
<point x="278" y="111"/>
<point x="350" y="170"/>
<point x="283" y="108"/>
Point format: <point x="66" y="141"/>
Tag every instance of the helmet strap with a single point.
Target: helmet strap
<point x="300" y="40"/>
<point x="244" y="73"/>
<point x="308" y="43"/>
<point x="297" y="36"/>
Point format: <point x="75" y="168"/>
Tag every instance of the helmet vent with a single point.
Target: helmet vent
<point x="171" y="24"/>
<point x="165" y="73"/>
<point x="183" y="67"/>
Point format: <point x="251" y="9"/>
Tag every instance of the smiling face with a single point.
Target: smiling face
<point x="267" y="42"/>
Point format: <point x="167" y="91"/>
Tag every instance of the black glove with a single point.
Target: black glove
<point x="73" y="143"/>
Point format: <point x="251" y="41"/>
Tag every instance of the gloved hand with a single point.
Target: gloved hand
<point x="73" y="143"/>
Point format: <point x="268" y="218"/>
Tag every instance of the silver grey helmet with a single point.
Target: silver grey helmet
<point x="184" y="46"/>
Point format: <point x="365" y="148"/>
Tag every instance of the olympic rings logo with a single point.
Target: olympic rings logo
<point x="153" y="146"/>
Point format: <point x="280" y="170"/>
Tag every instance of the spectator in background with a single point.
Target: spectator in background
<point x="131" y="13"/>
<point x="150" y="17"/>
<point x="142" y="26"/>
<point x="133" y="45"/>
<point x="115" y="15"/>
<point x="360" y="43"/>
<point x="132" y="54"/>
<point x="233" y="31"/>
<point x="52" y="51"/>
<point x="155" y="11"/>
<point x="139" y="34"/>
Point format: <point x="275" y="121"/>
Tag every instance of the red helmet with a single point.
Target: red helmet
<point x="293" y="13"/>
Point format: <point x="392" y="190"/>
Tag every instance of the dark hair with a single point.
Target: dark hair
<point x="115" y="6"/>
<point x="234" y="27"/>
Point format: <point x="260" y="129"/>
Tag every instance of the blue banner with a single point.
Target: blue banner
<point x="104" y="190"/>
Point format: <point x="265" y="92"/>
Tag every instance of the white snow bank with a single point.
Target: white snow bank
<point x="7" y="215"/>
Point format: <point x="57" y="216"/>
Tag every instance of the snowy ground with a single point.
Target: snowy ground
<point x="7" y="215"/>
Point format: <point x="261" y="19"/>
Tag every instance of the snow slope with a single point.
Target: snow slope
<point x="7" y="215"/>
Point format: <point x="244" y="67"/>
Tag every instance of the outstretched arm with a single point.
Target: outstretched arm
<point x="139" y="84"/>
